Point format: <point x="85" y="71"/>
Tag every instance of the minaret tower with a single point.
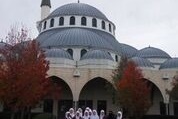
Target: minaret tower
<point x="45" y="8"/>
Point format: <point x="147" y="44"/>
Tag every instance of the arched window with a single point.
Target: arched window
<point x="83" y="21"/>
<point x="61" y="21"/>
<point x="83" y="51"/>
<point x="94" y="22"/>
<point x="109" y="27"/>
<point x="44" y="26"/>
<point x="70" y="51"/>
<point x="103" y="25"/>
<point x="116" y="58"/>
<point x="72" y="20"/>
<point x="52" y="23"/>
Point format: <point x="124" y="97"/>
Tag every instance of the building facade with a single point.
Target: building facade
<point x="79" y="41"/>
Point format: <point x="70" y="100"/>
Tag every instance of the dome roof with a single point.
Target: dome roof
<point x="3" y="45"/>
<point x="78" y="9"/>
<point x="141" y="62"/>
<point x="128" y="51"/>
<point x="57" y="53"/>
<point x="71" y="37"/>
<point x="151" y="52"/>
<point x="170" y="63"/>
<point x="97" y="54"/>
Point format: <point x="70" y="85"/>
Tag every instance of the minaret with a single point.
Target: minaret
<point x="45" y="8"/>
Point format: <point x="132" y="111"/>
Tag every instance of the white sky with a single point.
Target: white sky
<point x="139" y="23"/>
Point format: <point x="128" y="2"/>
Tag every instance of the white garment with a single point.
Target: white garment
<point x="72" y="113"/>
<point x="80" y="111"/>
<point x="86" y="115"/>
<point x="119" y="115"/>
<point x="67" y="115"/>
<point x="102" y="114"/>
<point x="77" y="115"/>
<point x="94" y="115"/>
<point x="90" y="113"/>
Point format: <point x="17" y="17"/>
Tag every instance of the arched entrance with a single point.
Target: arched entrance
<point x="97" y="94"/>
<point x="60" y="106"/>
<point x="158" y="107"/>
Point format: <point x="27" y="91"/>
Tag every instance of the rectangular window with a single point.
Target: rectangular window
<point x="85" y="103"/>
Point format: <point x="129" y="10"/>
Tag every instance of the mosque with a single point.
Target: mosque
<point x="80" y="44"/>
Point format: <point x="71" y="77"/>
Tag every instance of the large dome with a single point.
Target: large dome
<point x="78" y="9"/>
<point x="78" y="37"/>
<point x="151" y="52"/>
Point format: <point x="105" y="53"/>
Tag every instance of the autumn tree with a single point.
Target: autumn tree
<point x="23" y="72"/>
<point x="133" y="91"/>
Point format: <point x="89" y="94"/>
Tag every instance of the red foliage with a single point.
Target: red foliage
<point x="23" y="72"/>
<point x="134" y="93"/>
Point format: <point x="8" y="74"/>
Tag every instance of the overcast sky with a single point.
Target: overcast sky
<point x="139" y="23"/>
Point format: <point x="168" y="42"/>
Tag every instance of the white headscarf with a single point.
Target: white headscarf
<point x="94" y="115"/>
<point x="67" y="115"/>
<point x="90" y="113"/>
<point x="102" y="114"/>
<point x="88" y="109"/>
<point x="80" y="111"/>
<point x="72" y="113"/>
<point x="119" y="115"/>
<point x="86" y="115"/>
<point x="77" y="115"/>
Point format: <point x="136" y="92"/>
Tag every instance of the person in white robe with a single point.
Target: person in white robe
<point x="81" y="112"/>
<point x="119" y="115"/>
<point x="90" y="113"/>
<point x="77" y="115"/>
<point x="72" y="113"/>
<point x="86" y="115"/>
<point x="94" y="115"/>
<point x="67" y="115"/>
<point x="102" y="114"/>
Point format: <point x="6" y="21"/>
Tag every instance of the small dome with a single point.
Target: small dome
<point x="57" y="53"/>
<point x="128" y="51"/>
<point x="3" y="45"/>
<point x="170" y="63"/>
<point x="97" y="54"/>
<point x="151" y="52"/>
<point x="141" y="62"/>
<point x="78" y="9"/>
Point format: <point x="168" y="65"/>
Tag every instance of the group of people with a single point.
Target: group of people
<point x="91" y="114"/>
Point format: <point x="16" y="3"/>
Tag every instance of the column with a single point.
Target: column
<point x="75" y="105"/>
